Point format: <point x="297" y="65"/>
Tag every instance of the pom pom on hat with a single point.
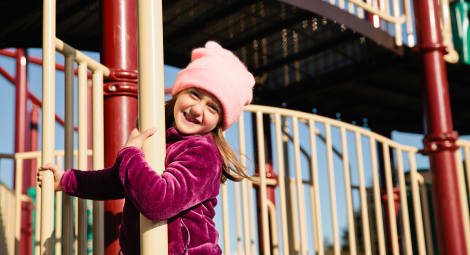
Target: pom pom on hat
<point x="221" y="73"/>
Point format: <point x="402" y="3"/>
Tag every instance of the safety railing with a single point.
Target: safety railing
<point x="50" y="45"/>
<point x="312" y="202"/>
<point x="462" y="157"/>
<point x="396" y="17"/>
<point x="11" y="227"/>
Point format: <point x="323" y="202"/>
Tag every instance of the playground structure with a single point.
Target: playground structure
<point x="286" y="221"/>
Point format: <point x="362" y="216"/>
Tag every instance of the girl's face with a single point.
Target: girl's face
<point x="196" y="112"/>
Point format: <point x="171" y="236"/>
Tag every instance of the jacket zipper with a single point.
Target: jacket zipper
<point x="185" y="251"/>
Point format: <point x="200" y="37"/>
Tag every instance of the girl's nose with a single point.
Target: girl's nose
<point x="196" y="110"/>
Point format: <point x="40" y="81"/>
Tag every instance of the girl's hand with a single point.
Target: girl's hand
<point x="137" y="139"/>
<point x="58" y="173"/>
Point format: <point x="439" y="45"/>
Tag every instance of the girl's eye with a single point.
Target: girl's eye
<point x="213" y="108"/>
<point x="194" y="94"/>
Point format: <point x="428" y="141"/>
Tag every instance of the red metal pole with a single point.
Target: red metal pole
<point x="439" y="142"/>
<point x="119" y="53"/>
<point x="20" y="138"/>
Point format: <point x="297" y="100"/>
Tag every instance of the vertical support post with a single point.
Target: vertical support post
<point x="98" y="160"/>
<point x="270" y="191"/>
<point x="153" y="235"/>
<point x="82" y="154"/>
<point x="20" y="146"/>
<point x="48" y="113"/>
<point x="67" y="233"/>
<point x="439" y="142"/>
<point x="119" y="54"/>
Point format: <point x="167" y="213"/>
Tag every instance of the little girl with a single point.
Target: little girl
<point x="208" y="96"/>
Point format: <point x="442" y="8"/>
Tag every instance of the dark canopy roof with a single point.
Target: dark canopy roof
<point x="302" y="60"/>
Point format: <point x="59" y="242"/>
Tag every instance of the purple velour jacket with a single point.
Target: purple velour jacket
<point x="184" y="195"/>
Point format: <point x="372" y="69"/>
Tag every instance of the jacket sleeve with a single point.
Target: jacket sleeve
<point x="97" y="185"/>
<point x="191" y="177"/>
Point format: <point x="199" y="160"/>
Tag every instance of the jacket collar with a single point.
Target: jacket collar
<point x="172" y="134"/>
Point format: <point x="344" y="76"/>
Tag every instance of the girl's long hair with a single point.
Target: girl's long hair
<point x="232" y="167"/>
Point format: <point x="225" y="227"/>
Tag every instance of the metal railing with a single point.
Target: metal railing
<point x="370" y="220"/>
<point x="14" y="212"/>
<point x="50" y="45"/>
<point x="309" y="189"/>
<point x="397" y="20"/>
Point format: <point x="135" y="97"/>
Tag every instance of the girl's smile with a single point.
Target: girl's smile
<point x="196" y="112"/>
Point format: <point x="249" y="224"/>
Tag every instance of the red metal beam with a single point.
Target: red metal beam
<point x="439" y="142"/>
<point x="8" y="53"/>
<point x="7" y="75"/>
<point x="38" y="61"/>
<point x="36" y="101"/>
<point x="21" y="92"/>
<point x="119" y="54"/>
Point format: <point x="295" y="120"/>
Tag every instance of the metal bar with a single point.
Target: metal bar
<point x="397" y="26"/>
<point x="426" y="215"/>
<point x="225" y="218"/>
<point x="245" y="209"/>
<point x="237" y="217"/>
<point x="314" y="190"/>
<point x="299" y="186"/>
<point x="351" y="8"/>
<point x="98" y="160"/>
<point x="331" y="180"/>
<point x="404" y="203"/>
<point x="347" y="184"/>
<point x="48" y="93"/>
<point x="294" y="219"/>
<point x="151" y="110"/>
<point x="463" y="197"/>
<point x="363" y="195"/>
<point x="81" y="58"/>
<point x="8" y="53"/>
<point x="37" y="234"/>
<point x="18" y="193"/>
<point x="439" y="142"/>
<point x="36" y="101"/>
<point x="385" y="14"/>
<point x="262" y="172"/>
<point x="82" y="155"/>
<point x="467" y="165"/>
<point x="252" y="218"/>
<point x="452" y="56"/>
<point x="390" y="198"/>
<point x="37" y="61"/>
<point x="282" y="188"/>
<point x="58" y="215"/>
<point x="274" y="227"/>
<point x="377" y="203"/>
<point x="409" y="23"/>
<point x="417" y="205"/>
<point x="7" y="75"/>
<point x="118" y="53"/>
<point x="67" y="237"/>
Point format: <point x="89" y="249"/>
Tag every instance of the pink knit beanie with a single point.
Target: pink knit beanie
<point x="221" y="73"/>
